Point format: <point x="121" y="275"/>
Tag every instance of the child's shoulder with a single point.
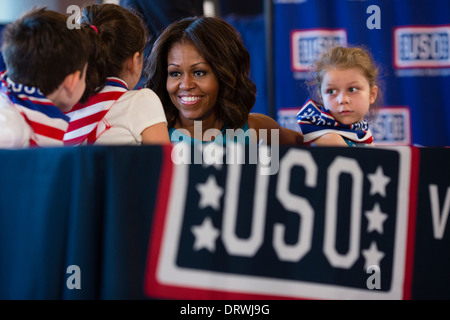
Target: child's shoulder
<point x="139" y="99"/>
<point x="141" y="94"/>
<point x="14" y="131"/>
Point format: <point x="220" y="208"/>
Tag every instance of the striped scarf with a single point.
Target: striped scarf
<point x="85" y="118"/>
<point x="315" y="121"/>
<point x="47" y="122"/>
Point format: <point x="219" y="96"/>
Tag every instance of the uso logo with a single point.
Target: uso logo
<point x="392" y="126"/>
<point x="307" y="45"/>
<point x="421" y="47"/>
<point x="287" y="117"/>
<point x="311" y="231"/>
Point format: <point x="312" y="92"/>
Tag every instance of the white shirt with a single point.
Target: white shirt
<point x="14" y="130"/>
<point x="133" y="112"/>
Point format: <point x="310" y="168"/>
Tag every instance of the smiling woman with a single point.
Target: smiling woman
<point x="200" y="69"/>
<point x="192" y="85"/>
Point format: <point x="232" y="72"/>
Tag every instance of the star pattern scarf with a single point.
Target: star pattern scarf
<point x="315" y="121"/>
<point x="47" y="122"/>
<point x="85" y="118"/>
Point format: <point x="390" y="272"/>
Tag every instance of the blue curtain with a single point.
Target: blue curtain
<point x="74" y="206"/>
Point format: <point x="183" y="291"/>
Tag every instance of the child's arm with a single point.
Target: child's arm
<point x="330" y="140"/>
<point x="287" y="136"/>
<point x="14" y="132"/>
<point x="156" y="134"/>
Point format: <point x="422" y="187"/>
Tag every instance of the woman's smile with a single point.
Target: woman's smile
<point x="191" y="83"/>
<point x="190" y="100"/>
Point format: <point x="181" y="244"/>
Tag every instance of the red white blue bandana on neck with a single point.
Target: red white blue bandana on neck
<point x="85" y="119"/>
<point x="48" y="122"/>
<point x="315" y="121"/>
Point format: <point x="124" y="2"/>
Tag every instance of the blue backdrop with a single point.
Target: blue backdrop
<point x="408" y="38"/>
<point x="2" y="63"/>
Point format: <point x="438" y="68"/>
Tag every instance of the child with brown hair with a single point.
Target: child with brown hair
<point x="45" y="76"/>
<point x="110" y="111"/>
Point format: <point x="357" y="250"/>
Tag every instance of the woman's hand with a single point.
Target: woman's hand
<point x="258" y="121"/>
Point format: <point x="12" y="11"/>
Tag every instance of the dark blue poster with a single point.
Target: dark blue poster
<point x="431" y="258"/>
<point x="314" y="228"/>
<point x="123" y="222"/>
<point x="409" y="40"/>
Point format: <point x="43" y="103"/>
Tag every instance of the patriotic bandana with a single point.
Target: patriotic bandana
<point x="48" y="122"/>
<point x="315" y="121"/>
<point x="87" y="121"/>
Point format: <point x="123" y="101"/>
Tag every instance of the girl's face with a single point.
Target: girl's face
<point x="191" y="83"/>
<point x="347" y="95"/>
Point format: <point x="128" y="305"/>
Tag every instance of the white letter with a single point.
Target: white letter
<point x="213" y="154"/>
<point x="181" y="153"/>
<point x="72" y="21"/>
<point x="228" y="309"/>
<point x="271" y="165"/>
<point x="439" y="224"/>
<point x="339" y="166"/>
<point x="374" y="21"/>
<point x="74" y="281"/>
<point x="235" y="153"/>
<point x="233" y="244"/>
<point x="374" y="280"/>
<point x="300" y="205"/>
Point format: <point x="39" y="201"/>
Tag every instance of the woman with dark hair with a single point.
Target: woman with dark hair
<point x="200" y="69"/>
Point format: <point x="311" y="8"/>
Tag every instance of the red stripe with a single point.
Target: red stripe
<point x="80" y="123"/>
<point x="47" y="131"/>
<point x="151" y="285"/>
<point x="411" y="234"/>
<point x="100" y="97"/>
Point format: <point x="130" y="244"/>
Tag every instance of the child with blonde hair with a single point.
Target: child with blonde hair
<point x="346" y="99"/>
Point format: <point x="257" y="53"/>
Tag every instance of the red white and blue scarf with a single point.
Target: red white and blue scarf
<point x="47" y="122"/>
<point x="85" y="118"/>
<point x="315" y="121"/>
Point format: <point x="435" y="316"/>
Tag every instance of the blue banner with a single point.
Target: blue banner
<point x="137" y="223"/>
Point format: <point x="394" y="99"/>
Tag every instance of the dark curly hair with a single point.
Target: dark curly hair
<point x="219" y="43"/>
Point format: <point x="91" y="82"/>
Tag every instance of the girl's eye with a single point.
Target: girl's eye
<point x="331" y="91"/>
<point x="353" y="89"/>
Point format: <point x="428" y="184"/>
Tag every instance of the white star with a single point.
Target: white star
<point x="376" y="219"/>
<point x="378" y="182"/>
<point x="205" y="235"/>
<point x="213" y="155"/>
<point x="372" y="255"/>
<point x="210" y="193"/>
